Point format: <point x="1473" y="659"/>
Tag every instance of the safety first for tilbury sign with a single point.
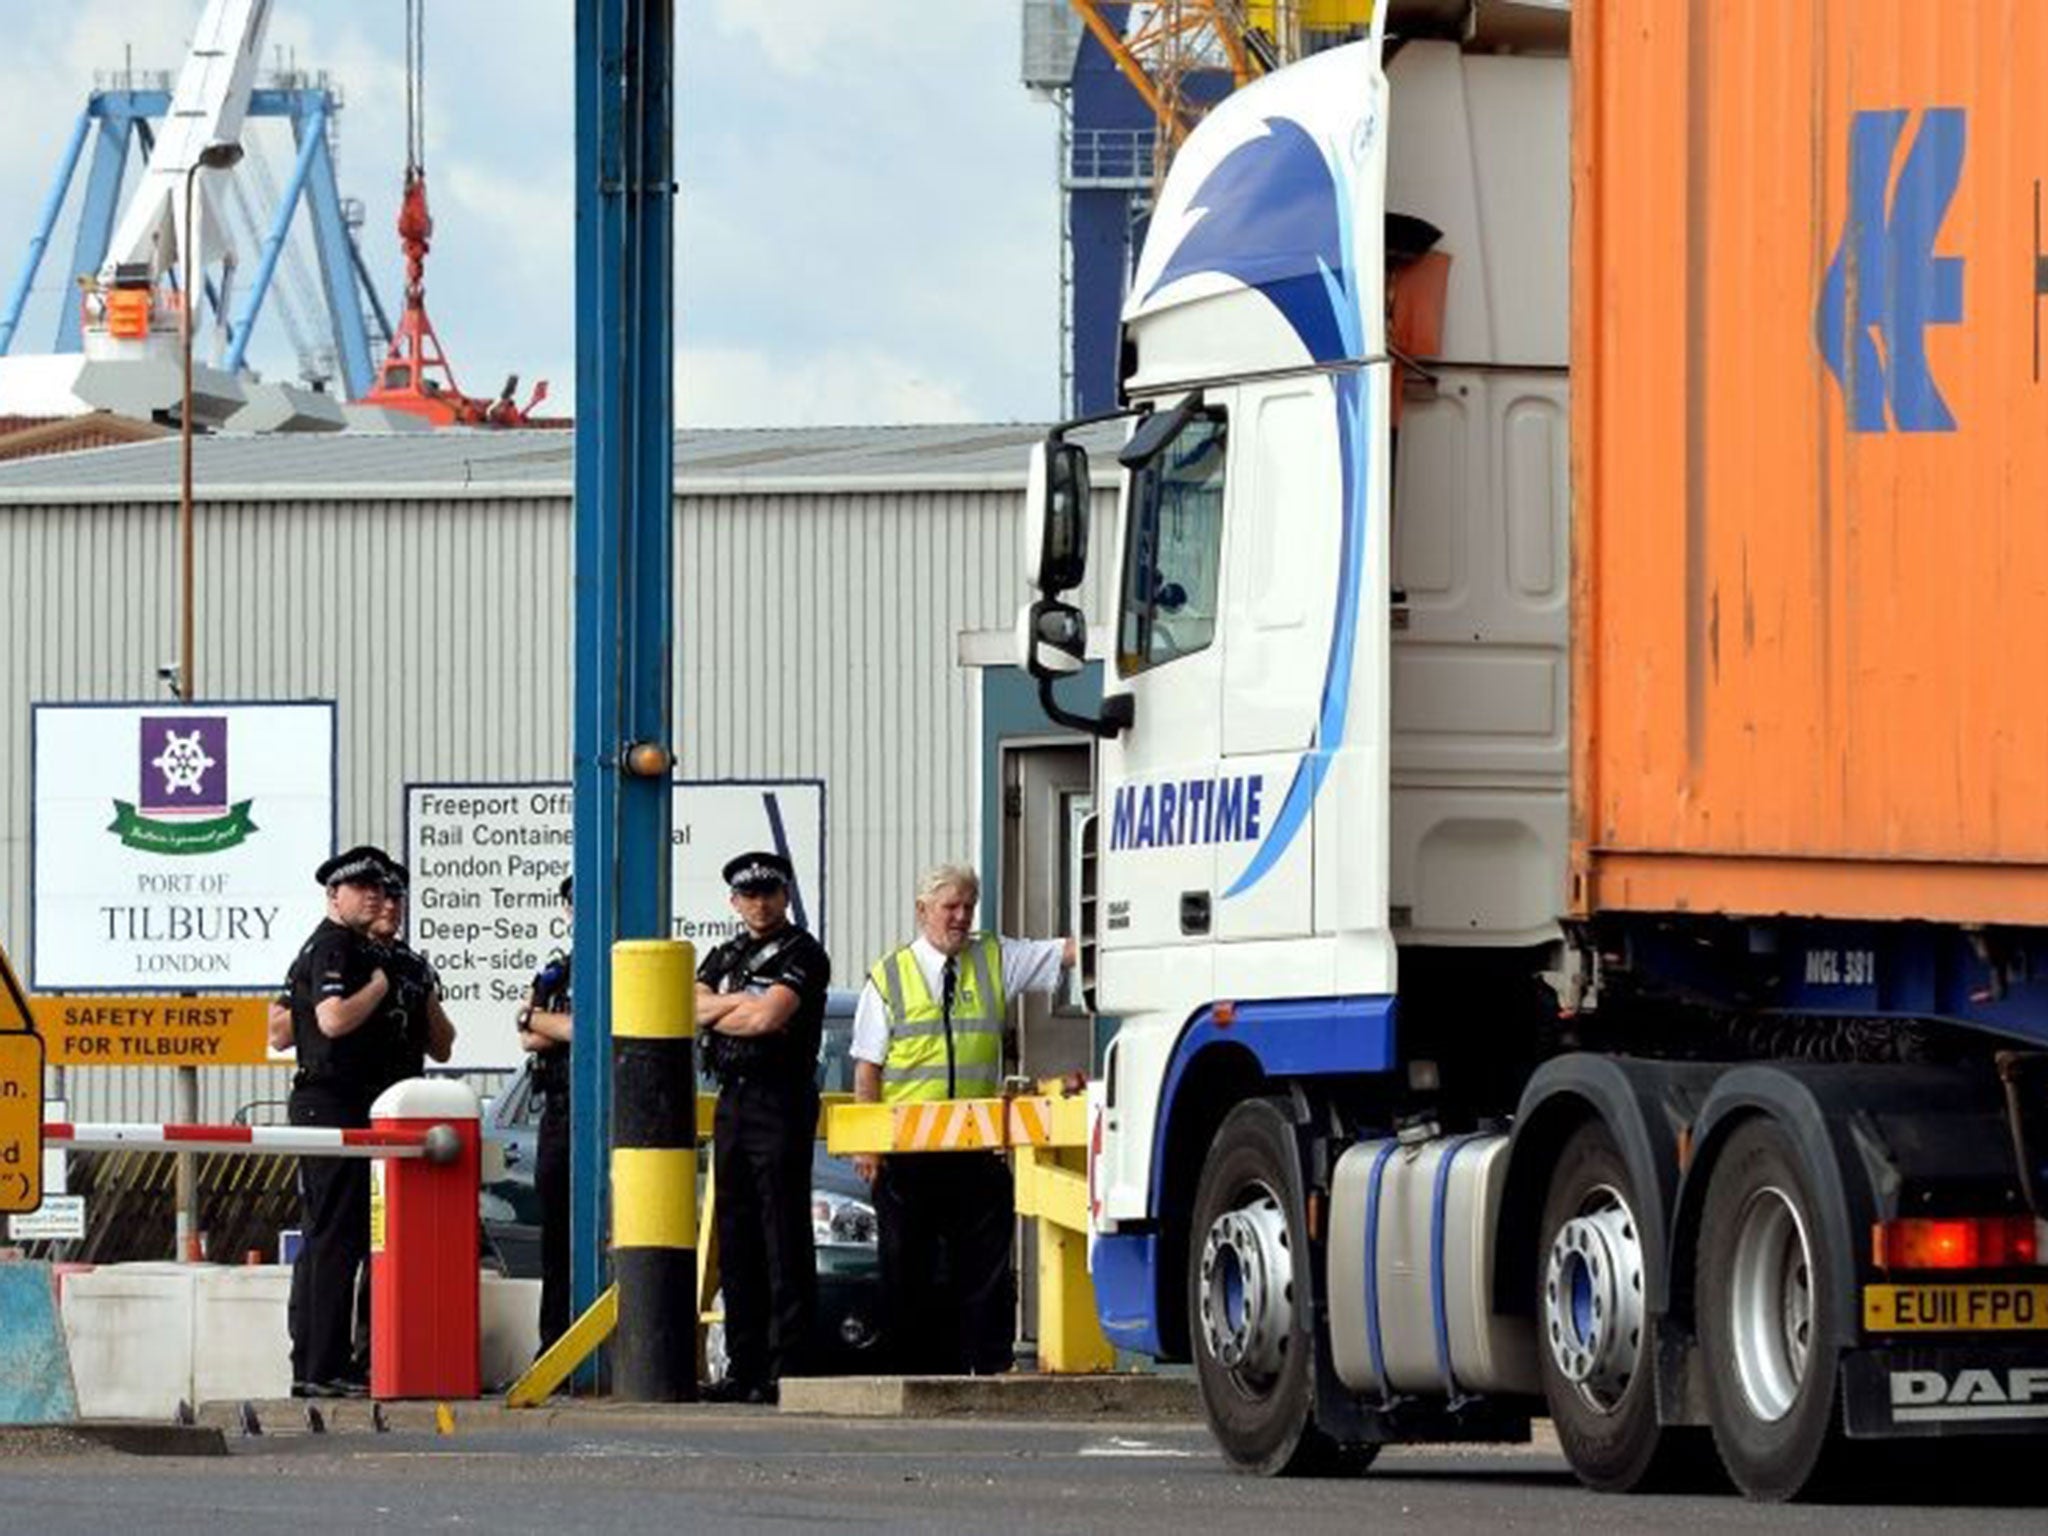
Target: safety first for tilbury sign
<point x="175" y="844"/>
<point x="104" y="1031"/>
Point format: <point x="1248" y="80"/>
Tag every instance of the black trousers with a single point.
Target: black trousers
<point x="551" y="1185"/>
<point x="334" y="1215"/>
<point x="761" y="1142"/>
<point x="946" y="1223"/>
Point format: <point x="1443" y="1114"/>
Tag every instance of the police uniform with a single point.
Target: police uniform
<point x="551" y="993"/>
<point x="414" y="985"/>
<point x="336" y="1081"/>
<point x="405" y="1024"/>
<point x="762" y="1136"/>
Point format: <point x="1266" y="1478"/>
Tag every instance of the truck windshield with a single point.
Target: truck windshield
<point x="1173" y="551"/>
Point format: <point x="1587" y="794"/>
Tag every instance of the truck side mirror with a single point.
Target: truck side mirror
<point x="1056" y="516"/>
<point x="1053" y="638"/>
<point x="1052" y="642"/>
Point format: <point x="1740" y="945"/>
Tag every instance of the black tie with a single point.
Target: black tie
<point x="948" y="975"/>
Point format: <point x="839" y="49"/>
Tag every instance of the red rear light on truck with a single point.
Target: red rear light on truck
<point x="1955" y="1242"/>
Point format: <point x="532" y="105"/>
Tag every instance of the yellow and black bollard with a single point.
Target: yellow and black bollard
<point x="654" y="1169"/>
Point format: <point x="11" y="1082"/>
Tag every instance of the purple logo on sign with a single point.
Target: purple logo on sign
<point x="184" y="765"/>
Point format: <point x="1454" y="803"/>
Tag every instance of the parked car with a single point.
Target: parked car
<point x="846" y="1331"/>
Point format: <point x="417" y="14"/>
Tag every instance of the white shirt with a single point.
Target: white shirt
<point x="1029" y="965"/>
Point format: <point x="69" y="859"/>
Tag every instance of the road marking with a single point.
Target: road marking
<point x="1136" y="1450"/>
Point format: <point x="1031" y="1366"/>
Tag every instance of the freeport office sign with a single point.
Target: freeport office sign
<point x="174" y="845"/>
<point x="487" y="863"/>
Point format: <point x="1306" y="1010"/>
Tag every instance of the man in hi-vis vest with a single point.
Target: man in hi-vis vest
<point x="930" y="1026"/>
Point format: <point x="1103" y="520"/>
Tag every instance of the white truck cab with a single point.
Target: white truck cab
<point x="1334" y="723"/>
<point x="1342" y="666"/>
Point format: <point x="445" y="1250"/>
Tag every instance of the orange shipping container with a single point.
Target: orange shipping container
<point x="1811" y="458"/>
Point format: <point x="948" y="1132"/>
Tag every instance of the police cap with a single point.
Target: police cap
<point x="397" y="879"/>
<point x="753" y="873"/>
<point x="362" y="865"/>
<point x="568" y="884"/>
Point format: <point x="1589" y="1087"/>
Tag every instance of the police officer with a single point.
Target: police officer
<point x="544" y="1030"/>
<point x="339" y="988"/>
<point x="929" y="1026"/>
<point x="760" y="1014"/>
<point x="416" y="1025"/>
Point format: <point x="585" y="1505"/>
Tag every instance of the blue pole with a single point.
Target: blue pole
<point x="40" y="241"/>
<point x="598" y="511"/>
<point x="622" y="557"/>
<point x="648" y="348"/>
<point x="312" y="134"/>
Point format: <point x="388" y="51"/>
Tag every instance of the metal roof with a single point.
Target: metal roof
<point x="461" y="462"/>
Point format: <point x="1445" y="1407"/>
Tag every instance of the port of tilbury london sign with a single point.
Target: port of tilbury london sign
<point x="175" y="843"/>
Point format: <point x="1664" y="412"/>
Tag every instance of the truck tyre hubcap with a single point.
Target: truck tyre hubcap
<point x="1770" y="1302"/>
<point x="1248" y="1287"/>
<point x="1593" y="1300"/>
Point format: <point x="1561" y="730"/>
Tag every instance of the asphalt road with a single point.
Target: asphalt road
<point x="754" y="1471"/>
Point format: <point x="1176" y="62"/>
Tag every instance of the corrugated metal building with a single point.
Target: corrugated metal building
<point x="825" y="579"/>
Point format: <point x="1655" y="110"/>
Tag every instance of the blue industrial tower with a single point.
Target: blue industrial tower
<point x="1108" y="144"/>
<point x="118" y="118"/>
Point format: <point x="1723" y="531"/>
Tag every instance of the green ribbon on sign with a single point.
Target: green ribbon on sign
<point x="181" y="837"/>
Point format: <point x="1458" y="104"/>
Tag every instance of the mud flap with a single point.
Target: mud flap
<point x="1953" y="1389"/>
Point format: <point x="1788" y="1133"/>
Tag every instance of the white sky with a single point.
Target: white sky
<point x="868" y="228"/>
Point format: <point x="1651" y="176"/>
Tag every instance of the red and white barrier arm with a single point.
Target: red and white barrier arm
<point x="298" y="1140"/>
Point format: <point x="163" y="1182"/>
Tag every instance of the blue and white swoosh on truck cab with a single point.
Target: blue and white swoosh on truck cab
<point x="1287" y="206"/>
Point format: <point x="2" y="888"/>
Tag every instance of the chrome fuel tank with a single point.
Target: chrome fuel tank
<point x="1411" y="1272"/>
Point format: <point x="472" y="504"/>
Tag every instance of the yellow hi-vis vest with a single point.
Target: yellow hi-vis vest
<point x="930" y="1056"/>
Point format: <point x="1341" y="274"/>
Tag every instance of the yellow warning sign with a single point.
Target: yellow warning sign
<point x="14" y="1013"/>
<point x="21" y="1122"/>
<point x="154" y="1031"/>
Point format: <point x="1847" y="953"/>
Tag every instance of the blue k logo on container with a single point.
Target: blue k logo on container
<point x="1886" y="285"/>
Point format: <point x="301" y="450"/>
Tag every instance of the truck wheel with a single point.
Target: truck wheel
<point x="1593" y="1274"/>
<point x="1769" y="1336"/>
<point x="1254" y="1351"/>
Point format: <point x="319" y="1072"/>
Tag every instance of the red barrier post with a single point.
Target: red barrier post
<point x="423" y="1245"/>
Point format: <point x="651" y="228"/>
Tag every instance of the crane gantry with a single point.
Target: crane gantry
<point x="1177" y="53"/>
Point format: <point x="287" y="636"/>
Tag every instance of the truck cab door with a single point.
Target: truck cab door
<point x="1280" y="577"/>
<point x="1158" y="867"/>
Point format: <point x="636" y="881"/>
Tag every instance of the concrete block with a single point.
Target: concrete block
<point x="241" y="1336"/>
<point x="144" y="1337"/>
<point x="508" y="1319"/>
<point x="129" y="1327"/>
<point x="35" y="1367"/>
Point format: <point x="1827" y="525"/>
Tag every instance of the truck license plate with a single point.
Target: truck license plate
<point x="1953" y="1308"/>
